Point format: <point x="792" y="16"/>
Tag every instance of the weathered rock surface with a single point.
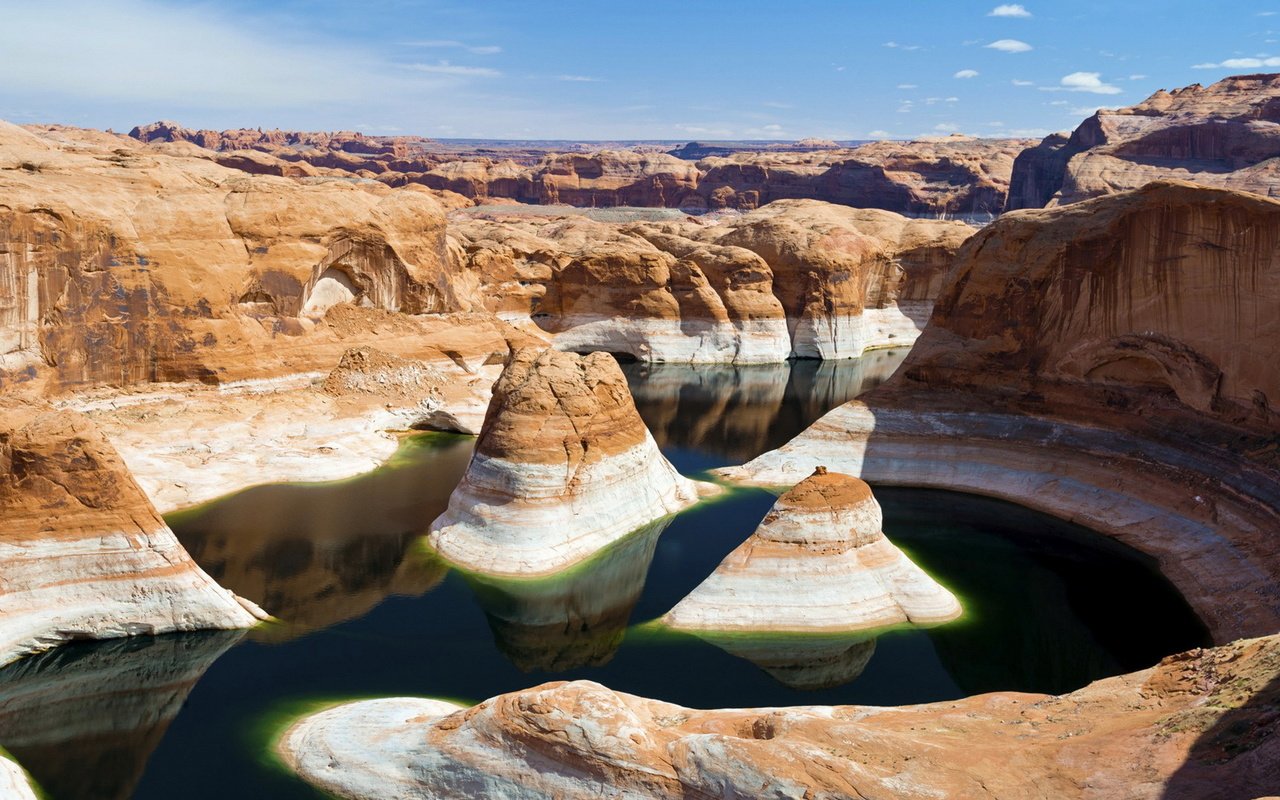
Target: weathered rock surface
<point x="819" y="563"/>
<point x="15" y="784"/>
<point x="1109" y="362"/>
<point x="1199" y="724"/>
<point x="84" y="553"/>
<point x="798" y="278"/>
<point x="563" y="467"/>
<point x="1225" y="135"/>
<point x="947" y="176"/>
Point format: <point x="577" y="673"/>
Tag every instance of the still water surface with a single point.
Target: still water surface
<point x="1049" y="607"/>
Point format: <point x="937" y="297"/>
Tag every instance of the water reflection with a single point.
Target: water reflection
<point x="804" y="663"/>
<point x="573" y="620"/>
<point x="733" y="414"/>
<point x="315" y="555"/>
<point x="84" y="719"/>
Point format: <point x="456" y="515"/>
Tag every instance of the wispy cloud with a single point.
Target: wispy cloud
<point x="1242" y="63"/>
<point x="579" y="79"/>
<point x="908" y="86"/>
<point x="479" y="50"/>
<point x="896" y="46"/>
<point x="1009" y="10"/>
<point x="457" y="70"/>
<point x="966" y="73"/>
<point x="1009" y="46"/>
<point x="946" y="127"/>
<point x="1017" y="82"/>
<point x="1083" y="82"/>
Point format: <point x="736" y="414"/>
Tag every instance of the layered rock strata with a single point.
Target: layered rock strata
<point x="796" y="279"/>
<point x="563" y="467"/>
<point x="1108" y="362"/>
<point x="1197" y="725"/>
<point x="1225" y="135"/>
<point x="84" y="554"/>
<point x="819" y="563"/>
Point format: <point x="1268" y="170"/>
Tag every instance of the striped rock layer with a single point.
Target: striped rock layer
<point x="563" y="467"/>
<point x="818" y="563"/>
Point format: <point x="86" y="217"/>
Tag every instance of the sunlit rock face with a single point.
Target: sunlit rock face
<point x="82" y="551"/>
<point x="124" y="264"/>
<point x="1226" y="135"/>
<point x="581" y="740"/>
<point x="574" y="619"/>
<point x="818" y="564"/>
<point x="15" y="784"/>
<point x="84" y="720"/>
<point x="796" y="279"/>
<point x="1110" y="362"/>
<point x="563" y="467"/>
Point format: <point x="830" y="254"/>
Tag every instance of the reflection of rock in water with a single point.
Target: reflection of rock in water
<point x="805" y="663"/>
<point x="317" y="555"/>
<point x="83" y="719"/>
<point x="740" y="412"/>
<point x="573" y="620"/>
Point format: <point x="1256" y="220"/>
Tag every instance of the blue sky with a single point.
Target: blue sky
<point x="693" y="69"/>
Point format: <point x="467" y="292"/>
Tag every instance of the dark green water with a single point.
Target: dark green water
<point x="1049" y="607"/>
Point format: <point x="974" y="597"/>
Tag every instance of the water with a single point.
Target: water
<point x="1049" y="607"/>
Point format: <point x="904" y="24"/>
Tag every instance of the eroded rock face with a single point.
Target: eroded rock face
<point x="1109" y="362"/>
<point x="563" y="467"/>
<point x="1196" y="725"/>
<point x="1225" y="135"/>
<point x="85" y="555"/>
<point x="124" y="266"/>
<point x="818" y="564"/>
<point x="953" y="175"/>
<point x="796" y="279"/>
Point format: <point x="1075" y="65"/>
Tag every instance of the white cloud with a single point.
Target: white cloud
<point x="1009" y="46"/>
<point x="1266" y="13"/>
<point x="446" y="68"/>
<point x="878" y="134"/>
<point x="1083" y="82"/>
<point x="905" y="107"/>
<point x="579" y="78"/>
<point x="1242" y="63"/>
<point x="1137" y="77"/>
<point x="946" y="127"/>
<point x="896" y="46"/>
<point x="951" y="100"/>
<point x="1017" y="82"/>
<point x="966" y="73"/>
<point x="1009" y="10"/>
<point x="479" y="50"/>
<point x="908" y="86"/>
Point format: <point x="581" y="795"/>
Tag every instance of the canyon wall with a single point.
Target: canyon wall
<point x="1225" y="135"/>
<point x="1108" y="362"/>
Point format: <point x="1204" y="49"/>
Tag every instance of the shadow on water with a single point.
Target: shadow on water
<point x="369" y="613"/>
<point x="84" y="719"/>
<point x="316" y="554"/>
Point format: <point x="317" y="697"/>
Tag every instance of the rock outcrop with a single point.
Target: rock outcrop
<point x="818" y="564"/>
<point x="796" y="279"/>
<point x="1199" y="724"/>
<point x="563" y="467"/>
<point x="1225" y="135"/>
<point x="84" y="554"/>
<point x="937" y="177"/>
<point x="15" y="783"/>
<point x="1110" y="362"/>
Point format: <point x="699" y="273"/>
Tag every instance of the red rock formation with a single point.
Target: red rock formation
<point x="1221" y="135"/>
<point x="1110" y="362"/>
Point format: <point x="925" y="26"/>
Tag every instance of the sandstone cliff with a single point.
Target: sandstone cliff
<point x="1225" y="135"/>
<point x="84" y="553"/>
<point x="563" y="467"/>
<point x="797" y="278"/>
<point x="1198" y="725"/>
<point x="1109" y="362"/>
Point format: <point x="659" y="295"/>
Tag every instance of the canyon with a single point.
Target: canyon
<point x="185" y="314"/>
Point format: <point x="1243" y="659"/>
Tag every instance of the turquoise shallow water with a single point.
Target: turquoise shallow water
<point x="1049" y="607"/>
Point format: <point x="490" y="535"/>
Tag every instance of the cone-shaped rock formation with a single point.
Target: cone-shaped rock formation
<point x="818" y="563"/>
